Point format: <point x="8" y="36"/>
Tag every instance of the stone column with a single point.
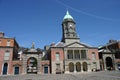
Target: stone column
<point x="80" y="53"/>
<point x="114" y="62"/>
<point x="38" y="66"/>
<point x="86" y="54"/>
<point x="74" y="68"/>
<point x="73" y="54"/>
<point x="24" y="67"/>
<point x="104" y="61"/>
<point x="65" y="53"/>
<point x="81" y="67"/>
<point x="89" y="66"/>
<point x="66" y="69"/>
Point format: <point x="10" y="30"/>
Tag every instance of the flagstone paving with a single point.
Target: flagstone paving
<point x="102" y="75"/>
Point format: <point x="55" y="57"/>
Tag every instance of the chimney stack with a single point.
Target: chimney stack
<point x="1" y="34"/>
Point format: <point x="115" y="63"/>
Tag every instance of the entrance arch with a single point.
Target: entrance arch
<point x="5" y="68"/>
<point x="109" y="63"/>
<point x="78" y="67"/>
<point x="71" y="67"/>
<point x="32" y="65"/>
<point x="85" y="68"/>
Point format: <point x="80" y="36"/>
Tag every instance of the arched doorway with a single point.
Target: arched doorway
<point x="109" y="64"/>
<point x="78" y="67"/>
<point x="32" y="65"/>
<point x="71" y="67"/>
<point x="5" y="68"/>
<point x="85" y="68"/>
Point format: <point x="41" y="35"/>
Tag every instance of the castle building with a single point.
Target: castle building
<point x="26" y="61"/>
<point x="109" y="56"/>
<point x="68" y="56"/>
<point x="8" y="55"/>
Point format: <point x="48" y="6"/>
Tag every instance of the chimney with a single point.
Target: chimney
<point x="1" y="34"/>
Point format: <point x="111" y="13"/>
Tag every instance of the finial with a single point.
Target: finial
<point x="67" y="12"/>
<point x="67" y="16"/>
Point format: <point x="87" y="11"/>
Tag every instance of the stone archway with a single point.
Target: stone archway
<point x="109" y="63"/>
<point x="32" y="65"/>
<point x="85" y="67"/>
<point x="71" y="67"/>
<point x="78" y="67"/>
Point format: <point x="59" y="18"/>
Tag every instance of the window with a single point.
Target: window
<point x="57" y="66"/>
<point x="5" y="68"/>
<point x="70" y="54"/>
<point x="8" y="43"/>
<point x="16" y="70"/>
<point x="57" y="56"/>
<point x="7" y="55"/>
<point x="93" y="56"/>
<point x="77" y="54"/>
<point x="83" y="54"/>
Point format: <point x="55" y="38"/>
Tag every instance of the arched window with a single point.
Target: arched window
<point x="78" y="67"/>
<point x="5" y="68"/>
<point x="85" y="68"/>
<point x="71" y="67"/>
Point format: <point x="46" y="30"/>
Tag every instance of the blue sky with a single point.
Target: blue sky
<point x="39" y="21"/>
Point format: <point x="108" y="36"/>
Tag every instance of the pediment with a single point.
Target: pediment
<point x="76" y="44"/>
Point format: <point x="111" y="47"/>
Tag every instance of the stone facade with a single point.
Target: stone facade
<point x="76" y="56"/>
<point x="68" y="56"/>
<point x="26" y="61"/>
<point x="110" y="56"/>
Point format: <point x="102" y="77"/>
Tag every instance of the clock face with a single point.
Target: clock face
<point x="70" y="25"/>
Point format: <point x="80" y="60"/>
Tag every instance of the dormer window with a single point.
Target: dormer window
<point x="8" y="43"/>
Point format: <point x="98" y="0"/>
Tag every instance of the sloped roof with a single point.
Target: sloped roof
<point x="79" y="44"/>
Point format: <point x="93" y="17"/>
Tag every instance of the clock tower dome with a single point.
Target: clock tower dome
<point x="69" y="34"/>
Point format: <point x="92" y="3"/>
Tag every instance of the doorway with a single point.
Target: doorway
<point x="32" y="65"/>
<point x="16" y="70"/>
<point x="109" y="64"/>
<point x="45" y="69"/>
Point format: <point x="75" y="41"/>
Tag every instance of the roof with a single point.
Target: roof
<point x="67" y="16"/>
<point x="81" y="45"/>
<point x="109" y="44"/>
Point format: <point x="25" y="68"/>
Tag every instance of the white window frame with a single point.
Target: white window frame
<point x="8" y="43"/>
<point x="57" y="55"/>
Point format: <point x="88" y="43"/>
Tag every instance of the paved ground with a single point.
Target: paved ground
<point x="103" y="75"/>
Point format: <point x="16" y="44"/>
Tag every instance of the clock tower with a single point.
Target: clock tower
<point x="69" y="34"/>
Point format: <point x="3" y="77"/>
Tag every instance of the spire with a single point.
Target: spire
<point x="67" y="13"/>
<point x="67" y="16"/>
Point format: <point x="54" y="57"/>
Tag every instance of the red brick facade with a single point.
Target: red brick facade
<point x="8" y="52"/>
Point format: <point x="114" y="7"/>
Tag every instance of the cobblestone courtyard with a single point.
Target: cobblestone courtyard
<point x="103" y="75"/>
